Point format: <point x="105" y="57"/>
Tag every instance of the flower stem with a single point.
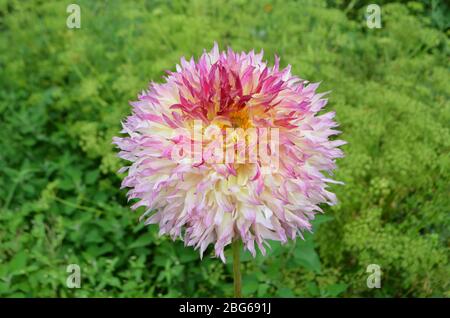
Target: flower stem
<point x="237" y="268"/>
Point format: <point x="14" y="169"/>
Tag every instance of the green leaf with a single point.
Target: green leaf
<point x="285" y="292"/>
<point x="250" y="284"/>
<point x="320" y="219"/>
<point x="335" y="290"/>
<point x="143" y="240"/>
<point x="18" y="262"/>
<point x="187" y="255"/>
<point x="306" y="256"/>
<point x="92" y="176"/>
<point x="313" y="289"/>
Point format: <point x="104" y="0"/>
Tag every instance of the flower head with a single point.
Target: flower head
<point x="230" y="148"/>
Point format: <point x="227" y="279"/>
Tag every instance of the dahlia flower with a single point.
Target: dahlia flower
<point x="203" y="178"/>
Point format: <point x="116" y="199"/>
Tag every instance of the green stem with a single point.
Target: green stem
<point x="237" y="268"/>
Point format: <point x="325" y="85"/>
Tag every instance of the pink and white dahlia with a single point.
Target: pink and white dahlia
<point x="230" y="148"/>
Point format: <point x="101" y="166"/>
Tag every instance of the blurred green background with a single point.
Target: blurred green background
<point x="64" y="92"/>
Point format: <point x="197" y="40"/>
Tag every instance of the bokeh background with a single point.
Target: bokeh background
<point x="63" y="93"/>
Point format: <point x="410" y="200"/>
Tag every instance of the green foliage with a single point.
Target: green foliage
<point x="63" y="94"/>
